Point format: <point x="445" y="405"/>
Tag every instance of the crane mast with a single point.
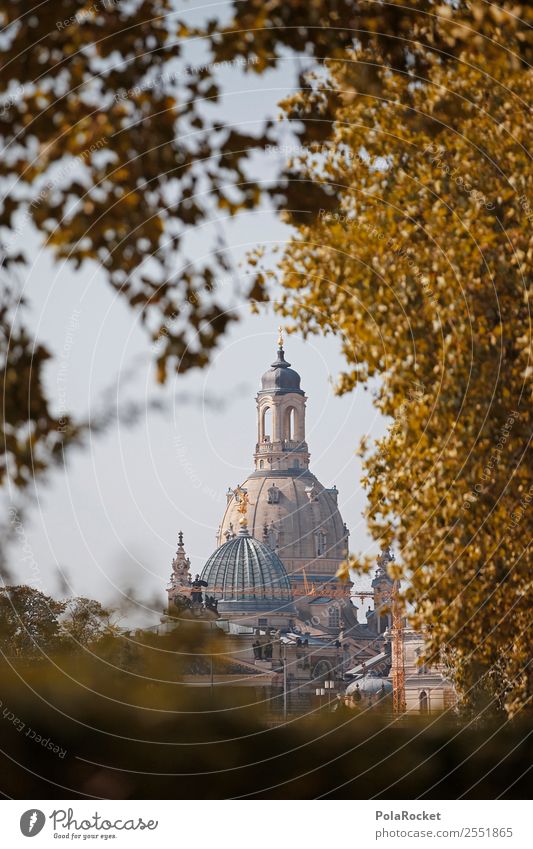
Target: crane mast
<point x="398" y="660"/>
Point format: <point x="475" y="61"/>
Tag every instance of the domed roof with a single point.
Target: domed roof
<point x="280" y="377"/>
<point x="244" y="574"/>
<point x="293" y="514"/>
<point x="370" y="685"/>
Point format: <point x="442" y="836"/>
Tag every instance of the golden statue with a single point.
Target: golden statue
<point x="243" y="502"/>
<point x="280" y="337"/>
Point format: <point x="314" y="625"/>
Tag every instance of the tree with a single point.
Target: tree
<point x="107" y="134"/>
<point x="31" y="436"/>
<point x="423" y="270"/>
<point x="29" y="622"/>
<point x="85" y="621"/>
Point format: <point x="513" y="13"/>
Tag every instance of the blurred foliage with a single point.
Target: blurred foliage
<point x="31" y="435"/>
<point x="114" y="715"/>
<point x="423" y="270"/>
<point x="112" y="152"/>
<point x="126" y="726"/>
<point x="407" y="35"/>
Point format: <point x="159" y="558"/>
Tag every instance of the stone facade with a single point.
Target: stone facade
<point x="289" y="510"/>
<point x="298" y="518"/>
<point x="427" y="690"/>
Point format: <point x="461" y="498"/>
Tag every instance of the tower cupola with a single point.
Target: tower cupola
<point x="281" y="444"/>
<point x="180" y="579"/>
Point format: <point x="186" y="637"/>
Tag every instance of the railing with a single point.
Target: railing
<point x="265" y="448"/>
<point x="284" y="444"/>
<point x="279" y="591"/>
<point x="292" y="445"/>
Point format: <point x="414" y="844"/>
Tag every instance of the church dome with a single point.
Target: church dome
<point x="288" y="510"/>
<point x="297" y="518"/>
<point x="244" y="574"/>
<point x="280" y="377"/>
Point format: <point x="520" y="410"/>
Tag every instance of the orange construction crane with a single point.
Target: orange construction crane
<point x="362" y="594"/>
<point x="398" y="661"/>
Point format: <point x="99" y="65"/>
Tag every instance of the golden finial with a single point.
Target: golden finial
<point x="280" y="337"/>
<point x="242" y="496"/>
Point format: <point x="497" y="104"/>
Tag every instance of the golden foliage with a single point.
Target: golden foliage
<point x="422" y="268"/>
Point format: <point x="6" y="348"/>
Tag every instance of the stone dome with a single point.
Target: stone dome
<point x="287" y="508"/>
<point x="296" y="517"/>
<point x="280" y="377"/>
<point x="370" y="685"/>
<point x="245" y="575"/>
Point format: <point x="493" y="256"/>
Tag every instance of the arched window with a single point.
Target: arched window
<point x="289" y="429"/>
<point x="321" y="543"/>
<point x="423" y="702"/>
<point x="322" y="671"/>
<point x="266" y="425"/>
<point x="261" y="464"/>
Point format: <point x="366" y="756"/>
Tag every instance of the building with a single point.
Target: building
<point x="426" y="689"/>
<point x="289" y="510"/>
<point x="272" y="583"/>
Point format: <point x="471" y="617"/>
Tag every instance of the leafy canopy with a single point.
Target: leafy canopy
<point x="423" y="270"/>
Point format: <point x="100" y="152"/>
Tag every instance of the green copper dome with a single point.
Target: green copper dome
<point x="244" y="574"/>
